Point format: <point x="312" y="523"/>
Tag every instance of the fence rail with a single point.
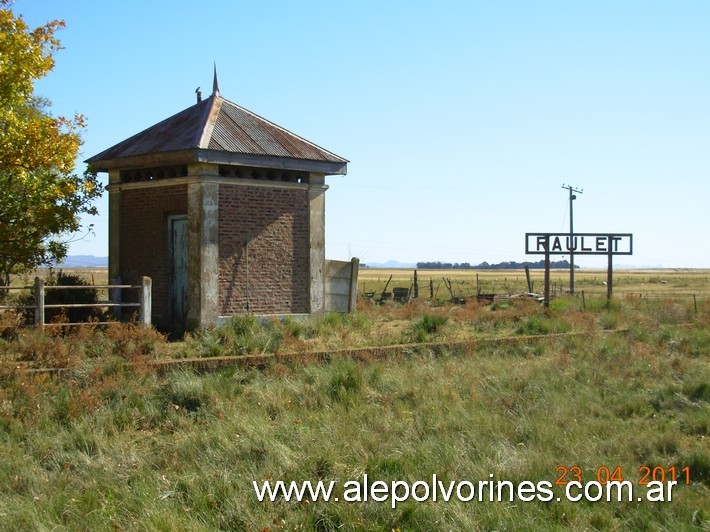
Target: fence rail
<point x="115" y="290"/>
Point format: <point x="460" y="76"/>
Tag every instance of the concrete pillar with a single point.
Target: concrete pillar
<point x="114" y="225"/>
<point x="316" y="199"/>
<point x="203" y="254"/>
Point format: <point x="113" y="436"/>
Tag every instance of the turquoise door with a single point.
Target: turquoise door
<point x="177" y="228"/>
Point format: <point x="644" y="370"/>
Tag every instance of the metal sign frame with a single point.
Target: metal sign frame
<point x="608" y="244"/>
<point x="580" y="243"/>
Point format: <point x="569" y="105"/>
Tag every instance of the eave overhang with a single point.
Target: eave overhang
<point x="219" y="157"/>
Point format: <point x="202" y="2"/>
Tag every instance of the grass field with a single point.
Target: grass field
<point x="645" y="283"/>
<point x="668" y="282"/>
<point x="114" y="445"/>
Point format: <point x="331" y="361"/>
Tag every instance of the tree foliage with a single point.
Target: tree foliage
<point x="41" y="198"/>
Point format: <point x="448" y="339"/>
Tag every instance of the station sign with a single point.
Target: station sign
<point x="578" y="244"/>
<point x="608" y="244"/>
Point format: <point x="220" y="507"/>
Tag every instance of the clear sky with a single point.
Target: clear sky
<point x="461" y="119"/>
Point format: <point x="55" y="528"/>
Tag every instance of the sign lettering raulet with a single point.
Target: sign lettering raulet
<point x="578" y="243"/>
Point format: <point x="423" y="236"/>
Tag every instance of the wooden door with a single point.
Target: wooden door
<point x="177" y="229"/>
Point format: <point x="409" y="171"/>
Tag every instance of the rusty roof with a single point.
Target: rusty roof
<point x="220" y="130"/>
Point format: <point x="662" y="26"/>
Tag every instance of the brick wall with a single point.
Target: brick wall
<point x="275" y="221"/>
<point x="145" y="242"/>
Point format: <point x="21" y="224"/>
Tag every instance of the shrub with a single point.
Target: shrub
<point x="244" y="335"/>
<point x="300" y="329"/>
<point x="241" y="335"/>
<point x="184" y="390"/>
<point x="698" y="391"/>
<point x="426" y="325"/>
<point x="119" y="340"/>
<point x="327" y="324"/>
<point x="345" y="380"/>
<point x="609" y="321"/>
<point x="699" y="465"/>
<point x="10" y="320"/>
<point x="533" y="326"/>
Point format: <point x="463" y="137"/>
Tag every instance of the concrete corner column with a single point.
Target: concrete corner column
<point x="114" y="225"/>
<point x="316" y="201"/>
<point x="203" y="254"/>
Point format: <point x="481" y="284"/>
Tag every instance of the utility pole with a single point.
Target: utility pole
<point x="572" y="245"/>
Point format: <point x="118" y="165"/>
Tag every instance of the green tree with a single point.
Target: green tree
<point x="41" y="198"/>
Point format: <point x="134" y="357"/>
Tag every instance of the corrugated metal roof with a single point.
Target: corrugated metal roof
<point x="220" y="125"/>
<point x="179" y="132"/>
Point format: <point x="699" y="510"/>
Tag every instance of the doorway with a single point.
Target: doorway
<point x="177" y="231"/>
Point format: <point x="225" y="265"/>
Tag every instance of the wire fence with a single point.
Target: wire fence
<point x="405" y="288"/>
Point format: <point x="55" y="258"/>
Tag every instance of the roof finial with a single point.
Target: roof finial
<point x="215" y="83"/>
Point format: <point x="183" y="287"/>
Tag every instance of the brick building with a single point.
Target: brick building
<point x="224" y="210"/>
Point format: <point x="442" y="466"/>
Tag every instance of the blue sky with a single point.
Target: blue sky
<point x="461" y="119"/>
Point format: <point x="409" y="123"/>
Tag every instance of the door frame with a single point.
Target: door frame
<point x="176" y="321"/>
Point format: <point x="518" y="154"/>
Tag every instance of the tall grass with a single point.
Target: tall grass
<point x="111" y="445"/>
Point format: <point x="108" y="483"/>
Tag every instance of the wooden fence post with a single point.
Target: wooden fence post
<point x="145" y="298"/>
<point x="39" y="303"/>
<point x="527" y="276"/>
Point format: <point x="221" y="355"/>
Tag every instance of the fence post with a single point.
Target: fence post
<point x="527" y="276"/>
<point x="145" y="301"/>
<point x="39" y="303"/>
<point x="115" y="296"/>
<point x="354" y="270"/>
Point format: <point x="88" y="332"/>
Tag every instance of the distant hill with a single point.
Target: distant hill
<point x="84" y="261"/>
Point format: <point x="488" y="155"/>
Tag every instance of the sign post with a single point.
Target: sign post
<point x="608" y="279"/>
<point x="608" y="244"/>
<point x="547" y="276"/>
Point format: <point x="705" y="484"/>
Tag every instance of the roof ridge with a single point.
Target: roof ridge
<point x="281" y="128"/>
<point x="203" y="140"/>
